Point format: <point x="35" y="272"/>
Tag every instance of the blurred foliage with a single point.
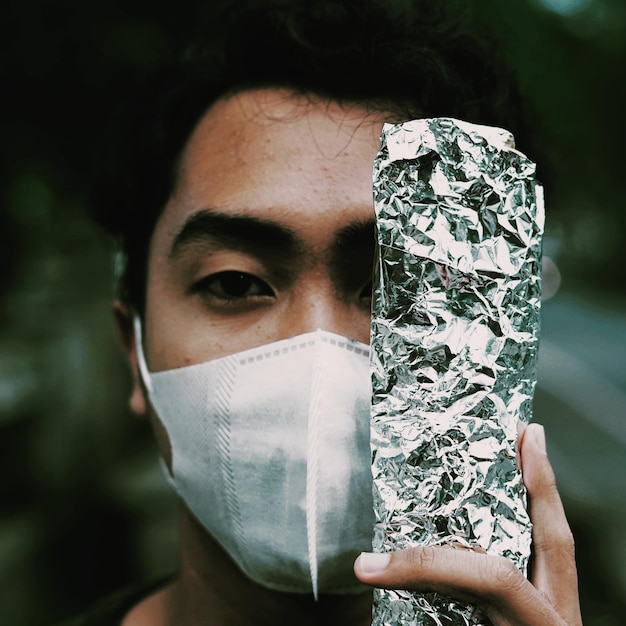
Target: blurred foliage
<point x="571" y="69"/>
<point x="84" y="509"/>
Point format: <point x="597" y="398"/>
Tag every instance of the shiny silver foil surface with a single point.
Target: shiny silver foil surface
<point x="454" y="347"/>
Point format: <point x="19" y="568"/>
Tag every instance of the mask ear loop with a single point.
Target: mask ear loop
<point x="141" y="359"/>
<point x="147" y="381"/>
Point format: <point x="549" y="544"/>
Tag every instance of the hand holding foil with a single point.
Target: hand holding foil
<point x="454" y="346"/>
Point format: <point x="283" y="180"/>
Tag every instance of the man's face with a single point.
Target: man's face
<point x="269" y="233"/>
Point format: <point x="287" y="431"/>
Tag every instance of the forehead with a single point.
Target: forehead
<point x="272" y="151"/>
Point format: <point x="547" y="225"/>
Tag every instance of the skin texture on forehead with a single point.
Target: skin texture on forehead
<point x="297" y="161"/>
<point x="262" y="130"/>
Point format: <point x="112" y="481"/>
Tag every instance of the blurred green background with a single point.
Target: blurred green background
<point x="84" y="509"/>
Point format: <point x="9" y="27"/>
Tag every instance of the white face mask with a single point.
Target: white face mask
<point x="271" y="453"/>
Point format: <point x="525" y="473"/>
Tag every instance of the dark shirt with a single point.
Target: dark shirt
<point x="110" y="611"/>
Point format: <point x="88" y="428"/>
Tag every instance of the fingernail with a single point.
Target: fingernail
<point x="540" y="437"/>
<point x="373" y="562"/>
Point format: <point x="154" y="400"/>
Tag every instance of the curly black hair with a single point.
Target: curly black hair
<point x="418" y="58"/>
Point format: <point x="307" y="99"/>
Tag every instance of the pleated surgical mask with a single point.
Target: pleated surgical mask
<point x="271" y="453"/>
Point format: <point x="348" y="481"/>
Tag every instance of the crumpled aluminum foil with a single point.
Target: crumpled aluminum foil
<point x="454" y="347"/>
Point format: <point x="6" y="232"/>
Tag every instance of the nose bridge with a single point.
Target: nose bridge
<point x="318" y="306"/>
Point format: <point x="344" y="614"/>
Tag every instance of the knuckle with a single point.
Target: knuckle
<point x="422" y="559"/>
<point x="564" y="542"/>
<point x="550" y="481"/>
<point x="559" y="542"/>
<point x="504" y="578"/>
<point x="567" y="541"/>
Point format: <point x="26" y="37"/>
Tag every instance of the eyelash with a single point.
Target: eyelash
<point x="232" y="287"/>
<point x="366" y="292"/>
<point x="229" y="289"/>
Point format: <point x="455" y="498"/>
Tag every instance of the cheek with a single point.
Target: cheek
<point x="364" y="327"/>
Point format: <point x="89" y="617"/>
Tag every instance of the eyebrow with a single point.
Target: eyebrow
<point x="239" y="231"/>
<point x="360" y="234"/>
<point x="352" y="253"/>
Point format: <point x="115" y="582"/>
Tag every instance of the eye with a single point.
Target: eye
<point x="233" y="285"/>
<point x="366" y="292"/>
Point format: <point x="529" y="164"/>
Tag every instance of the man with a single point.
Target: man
<point x="245" y="212"/>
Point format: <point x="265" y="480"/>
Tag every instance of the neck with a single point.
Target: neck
<point x="212" y="591"/>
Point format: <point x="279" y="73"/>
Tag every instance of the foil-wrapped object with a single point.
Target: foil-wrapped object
<point x="454" y="346"/>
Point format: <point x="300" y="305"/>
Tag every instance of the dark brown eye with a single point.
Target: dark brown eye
<point x="366" y="292"/>
<point x="232" y="285"/>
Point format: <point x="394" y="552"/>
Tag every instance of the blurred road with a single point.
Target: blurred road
<point x="581" y="400"/>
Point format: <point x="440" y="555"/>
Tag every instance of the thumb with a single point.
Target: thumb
<point x="463" y="573"/>
<point x="466" y="575"/>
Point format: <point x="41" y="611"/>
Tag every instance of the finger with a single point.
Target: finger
<point x="554" y="570"/>
<point x="465" y="575"/>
